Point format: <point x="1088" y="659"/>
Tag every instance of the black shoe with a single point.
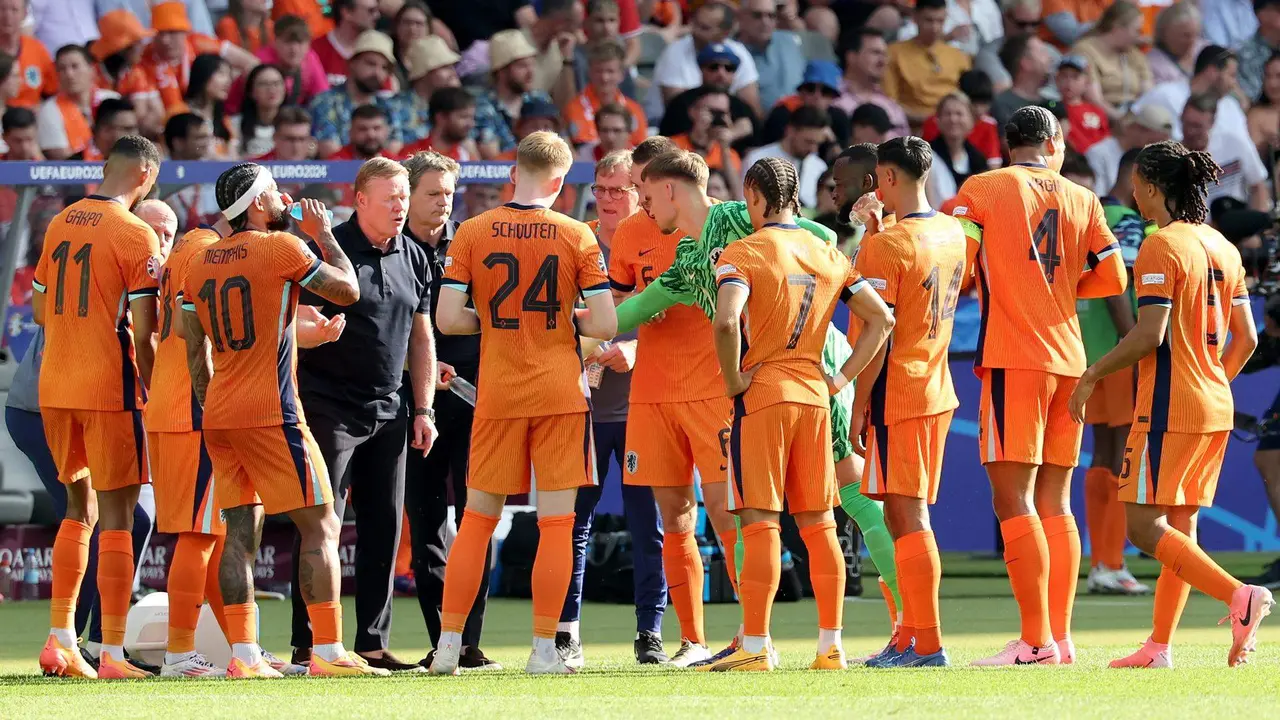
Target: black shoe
<point x="301" y="656"/>
<point x="390" y="662"/>
<point x="144" y="667"/>
<point x="426" y="661"/>
<point x="93" y="661"/>
<point x="648" y="647"/>
<point x="472" y="658"/>
<point x="570" y="650"/>
<point x="1270" y="578"/>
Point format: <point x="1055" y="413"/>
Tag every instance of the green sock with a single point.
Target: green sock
<point x="739" y="549"/>
<point x="869" y="515"/>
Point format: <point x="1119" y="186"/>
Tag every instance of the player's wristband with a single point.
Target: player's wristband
<point x="840" y="382"/>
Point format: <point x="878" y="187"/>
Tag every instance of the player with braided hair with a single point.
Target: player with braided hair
<point x="239" y="305"/>
<point x="1193" y="335"/>
<point x="1040" y="242"/>
<point x="787" y="283"/>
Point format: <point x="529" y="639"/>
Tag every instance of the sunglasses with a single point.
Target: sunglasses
<point x="614" y="193"/>
<point x="730" y="67"/>
<point x="812" y="88"/>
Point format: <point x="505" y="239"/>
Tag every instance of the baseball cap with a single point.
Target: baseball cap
<point x="1074" y="62"/>
<point x="507" y="47"/>
<point x="427" y="54"/>
<point x="375" y="42"/>
<point x="1154" y="117"/>
<point x="118" y="30"/>
<point x="823" y="73"/>
<point x="718" y="52"/>
<point x="539" y="108"/>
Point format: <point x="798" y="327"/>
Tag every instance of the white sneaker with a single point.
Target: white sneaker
<point x="540" y="665"/>
<point x="446" y="658"/>
<point x="192" y="665"/>
<point x="283" y="667"/>
<point x="690" y="653"/>
<point x="1018" y="652"/>
<point x="1129" y="584"/>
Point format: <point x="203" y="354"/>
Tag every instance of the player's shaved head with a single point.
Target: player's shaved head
<point x="162" y="219"/>
<point x="680" y="166"/>
<point x="132" y="166"/>
<point x="135" y="148"/>
<point x="909" y="155"/>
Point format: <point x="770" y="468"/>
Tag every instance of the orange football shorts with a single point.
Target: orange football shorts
<point x="666" y="441"/>
<point x="1166" y="468"/>
<point x="1112" y="401"/>
<point x="906" y="458"/>
<point x="782" y="451"/>
<point x="109" y="446"/>
<point x="1023" y="418"/>
<point x="182" y="476"/>
<point x="509" y="456"/>
<point x="278" y="467"/>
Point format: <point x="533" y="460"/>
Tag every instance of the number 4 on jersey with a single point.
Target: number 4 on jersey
<point x="1044" y="244"/>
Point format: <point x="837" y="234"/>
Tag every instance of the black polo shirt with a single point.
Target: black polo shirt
<point x="460" y="351"/>
<point x="356" y="379"/>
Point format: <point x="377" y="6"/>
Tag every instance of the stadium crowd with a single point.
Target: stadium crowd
<point x="734" y="82"/>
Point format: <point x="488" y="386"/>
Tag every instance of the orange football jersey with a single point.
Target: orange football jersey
<point x="172" y="406"/>
<point x="917" y="265"/>
<point x="1182" y="386"/>
<point x="1036" y="234"/>
<point x="244" y="288"/>
<point x="675" y="358"/>
<point x="525" y="267"/>
<point x="795" y="281"/>
<point x="97" y="258"/>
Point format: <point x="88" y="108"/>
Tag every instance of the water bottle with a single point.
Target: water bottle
<point x="6" y="581"/>
<point x="30" y="576"/>
<point x="595" y="371"/>
<point x="464" y="390"/>
<point x="295" y="212"/>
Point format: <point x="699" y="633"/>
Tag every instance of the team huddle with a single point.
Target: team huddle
<point x="740" y="383"/>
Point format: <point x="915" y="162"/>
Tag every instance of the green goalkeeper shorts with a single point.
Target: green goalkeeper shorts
<point x="834" y="353"/>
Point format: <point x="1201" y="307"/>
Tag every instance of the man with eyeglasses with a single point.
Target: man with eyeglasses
<point x="718" y="63"/>
<point x="609" y="374"/>
<point x="1020" y="17"/>
<point x="819" y="90"/>
<point x="777" y="53"/>
<point x="675" y="70"/>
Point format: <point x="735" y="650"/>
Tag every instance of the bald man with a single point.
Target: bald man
<point x="161" y="219"/>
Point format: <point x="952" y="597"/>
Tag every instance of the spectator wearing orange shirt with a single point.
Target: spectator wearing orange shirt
<point x="453" y="121"/>
<point x="119" y="54"/>
<point x="39" y="79"/>
<point x="604" y="78"/>
<point x="169" y="58"/>
<point x="351" y="18"/>
<point x="113" y="119"/>
<point x="711" y="134"/>
<point x="18" y="125"/>
<point x="65" y="118"/>
<point x="308" y="10"/>
<point x="247" y="24"/>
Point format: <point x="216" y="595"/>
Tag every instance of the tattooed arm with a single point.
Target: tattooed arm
<point x="335" y="280"/>
<point x="199" y="357"/>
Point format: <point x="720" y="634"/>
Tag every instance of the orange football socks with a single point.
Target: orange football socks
<point x="683" y="565"/>
<point x="70" y="561"/>
<point x="188" y="577"/>
<point x="761" y="573"/>
<point x="213" y="585"/>
<point x="1179" y="553"/>
<point x="1026" y="556"/>
<point x="826" y="572"/>
<point x="462" y="573"/>
<point x="115" y="583"/>
<point x="552" y="570"/>
<point x="1096" y="490"/>
<point x="242" y="624"/>
<point x="1171" y="598"/>
<point x="1063" y="540"/>
<point x="1114" y="529"/>
<point x="326" y="622"/>
<point x="919" y="577"/>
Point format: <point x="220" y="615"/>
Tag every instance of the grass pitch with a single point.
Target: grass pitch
<point x="978" y="615"/>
